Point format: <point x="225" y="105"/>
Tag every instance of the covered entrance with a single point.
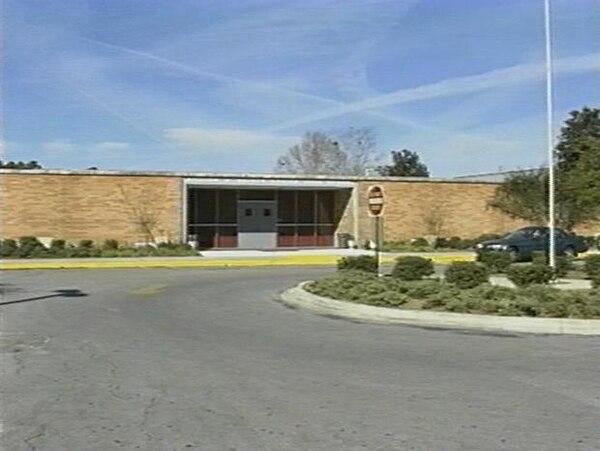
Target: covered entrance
<point x="252" y="217"/>
<point x="257" y="227"/>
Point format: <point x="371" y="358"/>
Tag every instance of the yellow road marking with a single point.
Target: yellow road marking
<point x="149" y="290"/>
<point x="298" y="260"/>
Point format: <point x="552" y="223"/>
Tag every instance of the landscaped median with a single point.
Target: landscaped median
<point x="462" y="298"/>
<point x="299" y="298"/>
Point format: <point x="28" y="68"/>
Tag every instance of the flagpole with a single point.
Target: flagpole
<point x="550" y="136"/>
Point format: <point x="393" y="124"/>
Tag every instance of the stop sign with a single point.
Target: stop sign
<point x="375" y="200"/>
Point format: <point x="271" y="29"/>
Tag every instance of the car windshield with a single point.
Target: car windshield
<point x="521" y="233"/>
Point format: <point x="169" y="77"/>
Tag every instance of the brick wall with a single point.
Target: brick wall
<point x="75" y="207"/>
<point x="98" y="207"/>
<point x="415" y="209"/>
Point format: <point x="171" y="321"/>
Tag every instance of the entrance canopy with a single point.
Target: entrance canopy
<point x="234" y="213"/>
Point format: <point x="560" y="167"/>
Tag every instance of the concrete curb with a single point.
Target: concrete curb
<point x="297" y="260"/>
<point x="297" y="297"/>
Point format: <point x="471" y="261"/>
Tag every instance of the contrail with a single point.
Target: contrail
<point x="336" y="105"/>
<point x="115" y="113"/>
<point x="514" y="75"/>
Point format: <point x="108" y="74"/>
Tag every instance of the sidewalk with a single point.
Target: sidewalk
<point x="223" y="259"/>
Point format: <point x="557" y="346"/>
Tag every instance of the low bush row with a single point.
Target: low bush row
<point x="421" y="244"/>
<point x="31" y="247"/>
<point x="470" y="274"/>
<point x="434" y="294"/>
<point x="592" y="269"/>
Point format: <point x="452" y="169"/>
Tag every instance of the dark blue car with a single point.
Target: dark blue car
<point x="522" y="242"/>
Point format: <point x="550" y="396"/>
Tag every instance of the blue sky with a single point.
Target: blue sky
<point x="205" y="85"/>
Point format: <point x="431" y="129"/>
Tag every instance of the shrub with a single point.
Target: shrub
<point x="523" y="276"/>
<point x="563" y="265"/>
<point x="30" y="246"/>
<point x="466" y="274"/>
<point x="496" y="261"/>
<point x="56" y="245"/>
<point x="365" y="263"/>
<point x="419" y="242"/>
<point x="111" y="244"/>
<point x="595" y="278"/>
<point x="592" y="265"/>
<point x="8" y="248"/>
<point x="412" y="268"/>
<point x="86" y="244"/>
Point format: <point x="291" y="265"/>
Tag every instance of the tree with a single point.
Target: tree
<point x="20" y="165"/>
<point x="525" y="195"/>
<point x="581" y="126"/>
<point x="360" y="145"/>
<point x="143" y="211"/>
<point x="405" y="163"/>
<point x="349" y="152"/>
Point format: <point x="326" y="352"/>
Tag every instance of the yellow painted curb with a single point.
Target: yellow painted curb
<point x="300" y="260"/>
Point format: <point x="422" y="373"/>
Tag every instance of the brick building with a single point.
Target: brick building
<point x="243" y="211"/>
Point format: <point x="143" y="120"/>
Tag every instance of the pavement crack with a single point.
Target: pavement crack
<point x="146" y="416"/>
<point x="39" y="433"/>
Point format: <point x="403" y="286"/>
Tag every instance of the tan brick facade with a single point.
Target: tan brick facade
<point x="416" y="209"/>
<point x="76" y="207"/>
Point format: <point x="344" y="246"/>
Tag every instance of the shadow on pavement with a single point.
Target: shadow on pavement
<point x="66" y="293"/>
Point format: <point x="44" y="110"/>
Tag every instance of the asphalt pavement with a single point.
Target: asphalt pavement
<point x="205" y="359"/>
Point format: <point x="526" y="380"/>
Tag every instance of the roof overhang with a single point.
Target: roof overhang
<point x="268" y="183"/>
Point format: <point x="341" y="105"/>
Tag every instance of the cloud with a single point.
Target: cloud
<point x="63" y="145"/>
<point x="272" y="97"/>
<point x="509" y="76"/>
<point x="108" y="146"/>
<point x="217" y="141"/>
<point x="59" y="145"/>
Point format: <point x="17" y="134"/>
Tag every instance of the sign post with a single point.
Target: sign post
<point x="375" y="204"/>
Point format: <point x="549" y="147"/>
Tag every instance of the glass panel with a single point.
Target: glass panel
<point x="325" y="235"/>
<point x="306" y="236"/>
<point x="286" y="206"/>
<point x="227" y="206"/>
<point x="204" y="207"/>
<point x="306" y="206"/>
<point x="257" y="194"/>
<point x="286" y="236"/>
<point x="227" y="237"/>
<point x="325" y="207"/>
<point x="205" y="236"/>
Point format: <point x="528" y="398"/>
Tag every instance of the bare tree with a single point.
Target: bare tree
<point x="142" y="209"/>
<point x="316" y="154"/>
<point x="350" y="152"/>
<point x="360" y="145"/>
<point x="434" y="219"/>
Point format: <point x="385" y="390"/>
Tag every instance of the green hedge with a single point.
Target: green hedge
<point x="31" y="247"/>
<point x="539" y="300"/>
<point x="412" y="268"/>
<point x="592" y="269"/>
<point x="496" y="262"/>
<point x="534" y="274"/>
<point x="365" y="263"/>
<point x="466" y="274"/>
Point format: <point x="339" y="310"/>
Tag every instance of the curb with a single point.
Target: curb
<point x="300" y="260"/>
<point x="297" y="297"/>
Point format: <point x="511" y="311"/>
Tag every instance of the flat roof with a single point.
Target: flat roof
<point x="239" y="176"/>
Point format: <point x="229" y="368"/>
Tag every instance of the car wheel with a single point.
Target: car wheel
<point x="513" y="253"/>
<point x="570" y="252"/>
